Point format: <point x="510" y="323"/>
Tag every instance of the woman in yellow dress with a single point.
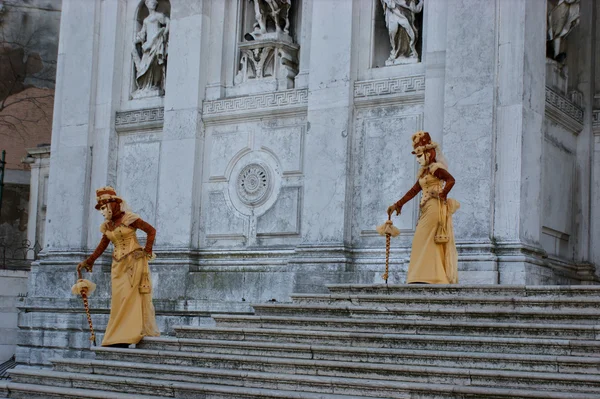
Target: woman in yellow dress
<point x="431" y="262"/>
<point x="131" y="310"/>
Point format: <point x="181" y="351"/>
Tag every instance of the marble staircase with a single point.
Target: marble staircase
<point x="360" y="341"/>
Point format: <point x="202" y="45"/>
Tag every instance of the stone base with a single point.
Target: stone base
<point x="191" y="287"/>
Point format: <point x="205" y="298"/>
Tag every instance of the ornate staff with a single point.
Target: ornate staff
<point x="84" y="287"/>
<point x="388" y="230"/>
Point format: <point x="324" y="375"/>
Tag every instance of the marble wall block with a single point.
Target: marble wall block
<point x="137" y="172"/>
<point x="468" y="112"/>
<point x="558" y="190"/>
<point x="384" y="169"/>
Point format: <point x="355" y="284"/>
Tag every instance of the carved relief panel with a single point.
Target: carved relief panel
<point x="253" y="183"/>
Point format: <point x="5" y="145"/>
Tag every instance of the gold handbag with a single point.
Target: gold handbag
<point x="441" y="235"/>
<point x="145" y="284"/>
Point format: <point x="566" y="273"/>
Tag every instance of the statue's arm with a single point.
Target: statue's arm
<point x="444" y="175"/>
<point x="150" y="232"/>
<point x="141" y="35"/>
<point x="167" y="23"/>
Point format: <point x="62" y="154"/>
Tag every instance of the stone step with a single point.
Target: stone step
<point x="583" y="316"/>
<point x="33" y="390"/>
<point x="286" y="358"/>
<point x="463" y="291"/>
<point x="421" y="302"/>
<point x="339" y="372"/>
<point x="204" y="336"/>
<point x="421" y="327"/>
<point x="3" y="389"/>
<point x="292" y="386"/>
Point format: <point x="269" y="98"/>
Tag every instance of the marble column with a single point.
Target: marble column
<point x="72" y="127"/>
<point x="519" y="138"/>
<point x="468" y="123"/>
<point x="182" y="141"/>
<point x="325" y="207"/>
<point x="34" y="195"/>
<point x="582" y="63"/>
<point x="106" y="100"/>
<point x="434" y="58"/>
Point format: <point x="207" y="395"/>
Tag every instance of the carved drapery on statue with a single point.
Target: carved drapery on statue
<point x="400" y="16"/>
<point x="268" y="54"/>
<point x="150" y="49"/>
<point x="563" y="16"/>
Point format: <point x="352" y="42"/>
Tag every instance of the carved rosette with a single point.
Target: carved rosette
<point x="254" y="184"/>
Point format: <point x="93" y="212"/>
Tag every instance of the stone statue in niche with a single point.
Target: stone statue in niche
<point x="277" y="10"/>
<point x="400" y="22"/>
<point x="562" y="18"/>
<point x="150" y="53"/>
<point x="268" y="55"/>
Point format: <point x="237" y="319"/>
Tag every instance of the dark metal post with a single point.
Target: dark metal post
<point x="2" y="163"/>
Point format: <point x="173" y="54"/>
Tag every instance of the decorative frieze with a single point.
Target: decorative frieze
<point x="141" y="118"/>
<point x="405" y="88"/>
<point x="563" y="111"/>
<point x="256" y="102"/>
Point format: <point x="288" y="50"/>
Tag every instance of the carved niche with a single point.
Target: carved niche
<point x="400" y="22"/>
<point x="268" y="53"/>
<point x="150" y="48"/>
<point x="563" y="16"/>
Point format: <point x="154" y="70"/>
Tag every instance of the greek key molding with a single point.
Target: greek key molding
<point x="128" y="120"/>
<point x="256" y="102"/>
<point x="563" y="111"/>
<point x="382" y="87"/>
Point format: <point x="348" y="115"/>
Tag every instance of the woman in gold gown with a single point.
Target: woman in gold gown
<point x="431" y="262"/>
<point x="131" y="310"/>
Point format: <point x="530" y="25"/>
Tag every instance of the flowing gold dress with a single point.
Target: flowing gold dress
<point x="132" y="313"/>
<point x="431" y="262"/>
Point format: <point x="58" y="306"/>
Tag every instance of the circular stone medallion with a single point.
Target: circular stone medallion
<point x="253" y="184"/>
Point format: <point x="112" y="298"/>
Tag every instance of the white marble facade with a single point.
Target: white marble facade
<point x="264" y="181"/>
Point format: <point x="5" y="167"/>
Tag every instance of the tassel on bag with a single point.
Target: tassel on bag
<point x="441" y="235"/>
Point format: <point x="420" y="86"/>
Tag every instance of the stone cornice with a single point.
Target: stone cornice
<point x="563" y="111"/>
<point x="139" y="119"/>
<point x="255" y="104"/>
<point x="385" y="90"/>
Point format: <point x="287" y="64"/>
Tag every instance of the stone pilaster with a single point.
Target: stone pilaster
<point x="468" y="121"/>
<point x="519" y="140"/>
<point x="73" y="125"/>
<point x="182" y="140"/>
<point x="329" y="106"/>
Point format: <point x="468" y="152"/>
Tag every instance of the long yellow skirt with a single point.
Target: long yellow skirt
<point x="430" y="262"/>
<point x="131" y="313"/>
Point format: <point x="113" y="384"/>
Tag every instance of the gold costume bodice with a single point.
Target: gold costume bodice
<point x="431" y="186"/>
<point x="124" y="240"/>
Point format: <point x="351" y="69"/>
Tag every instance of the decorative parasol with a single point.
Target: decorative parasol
<point x="85" y="287"/>
<point x="388" y="230"/>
